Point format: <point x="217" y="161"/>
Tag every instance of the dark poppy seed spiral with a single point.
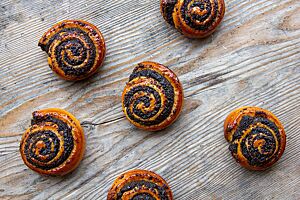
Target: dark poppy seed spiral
<point x="143" y="196"/>
<point x="51" y="143"/>
<point x="48" y="138"/>
<point x="54" y="144"/>
<point x="253" y="155"/>
<point x="76" y="49"/>
<point x="78" y="52"/>
<point x="257" y="138"/>
<point x="143" y="184"/>
<point x="168" y="92"/>
<point x="140" y="185"/>
<point x="194" y="18"/>
<point x="167" y="8"/>
<point x="152" y="99"/>
<point x="128" y="100"/>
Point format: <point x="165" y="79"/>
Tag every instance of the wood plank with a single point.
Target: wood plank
<point x="252" y="59"/>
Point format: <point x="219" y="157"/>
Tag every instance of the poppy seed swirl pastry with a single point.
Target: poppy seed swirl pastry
<point x="54" y="144"/>
<point x="257" y="138"/>
<point x="193" y="18"/>
<point x="75" y="48"/>
<point x="140" y="184"/>
<point x="153" y="97"/>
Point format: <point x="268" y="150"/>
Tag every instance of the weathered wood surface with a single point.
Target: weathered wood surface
<point x="252" y="59"/>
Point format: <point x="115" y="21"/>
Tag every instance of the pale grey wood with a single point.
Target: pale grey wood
<point x="252" y="59"/>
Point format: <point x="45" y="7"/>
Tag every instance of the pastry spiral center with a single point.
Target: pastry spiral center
<point x="150" y="99"/>
<point x="50" y="147"/>
<point x="260" y="144"/>
<point x="258" y="138"/>
<point x="147" y="103"/>
<point x="72" y="50"/>
<point x="74" y="53"/>
<point x="199" y="10"/>
<point x="43" y="146"/>
<point x="200" y="14"/>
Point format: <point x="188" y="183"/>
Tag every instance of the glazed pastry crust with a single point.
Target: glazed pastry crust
<point x="194" y="19"/>
<point x="139" y="182"/>
<point x="262" y="121"/>
<point x="57" y="134"/>
<point x="153" y="98"/>
<point x="81" y="48"/>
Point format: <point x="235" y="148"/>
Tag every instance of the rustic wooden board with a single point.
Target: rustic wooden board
<point x="252" y="59"/>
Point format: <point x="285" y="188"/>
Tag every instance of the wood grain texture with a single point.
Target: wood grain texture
<point x="252" y="59"/>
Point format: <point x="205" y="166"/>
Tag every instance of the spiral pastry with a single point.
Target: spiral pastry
<point x="193" y="18"/>
<point x="54" y="144"/>
<point x="257" y="138"/>
<point x="153" y="97"/>
<point x="140" y="184"/>
<point x="75" y="48"/>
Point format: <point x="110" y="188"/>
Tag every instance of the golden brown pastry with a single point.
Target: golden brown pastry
<point x="75" y="48"/>
<point x="140" y="184"/>
<point x="54" y="144"/>
<point x="153" y="97"/>
<point x="193" y="18"/>
<point x="257" y="138"/>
